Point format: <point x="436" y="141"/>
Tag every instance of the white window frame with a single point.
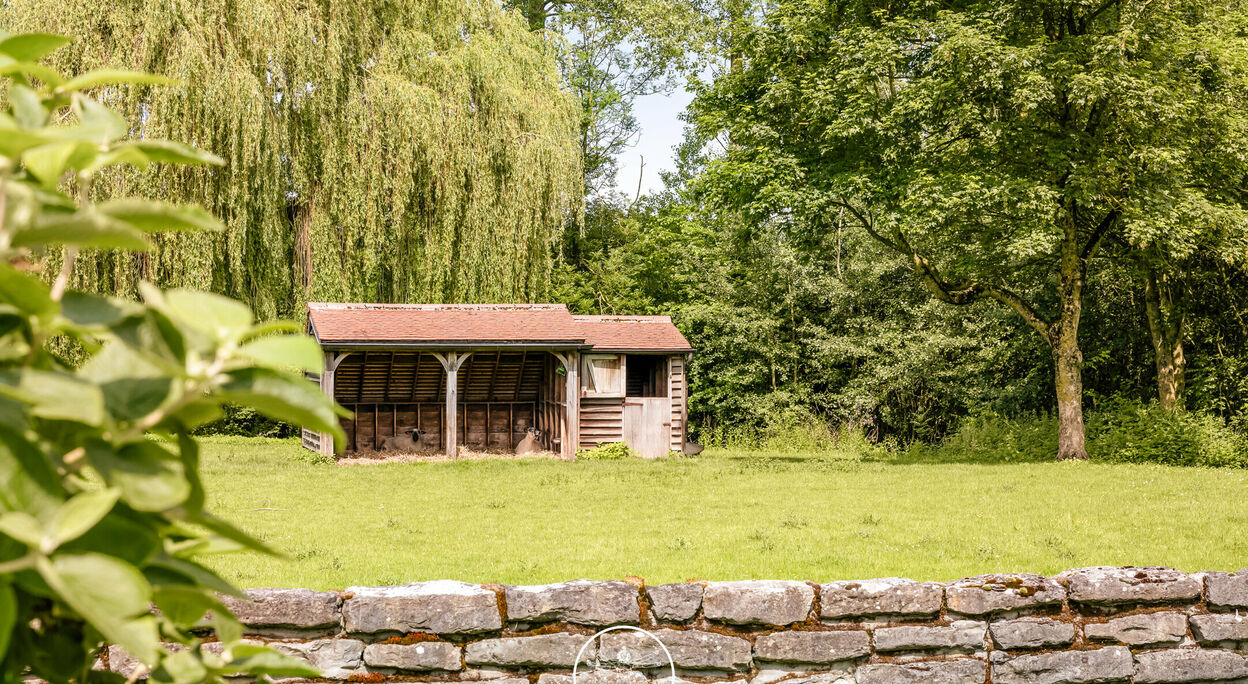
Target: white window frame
<point x="589" y="381"/>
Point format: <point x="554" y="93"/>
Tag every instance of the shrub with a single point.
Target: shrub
<point x="610" y="451"/>
<point x="1117" y="430"/>
<point x="1130" y="432"/>
<point x="244" y="421"/>
<point x="99" y="522"/>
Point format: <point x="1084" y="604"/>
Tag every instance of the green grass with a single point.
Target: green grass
<point x="723" y="515"/>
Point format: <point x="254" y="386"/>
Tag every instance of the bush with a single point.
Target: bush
<point x="244" y="421"/>
<point x="1130" y="432"/>
<point x="99" y="522"/>
<point x="1118" y="431"/>
<point x="610" y="451"/>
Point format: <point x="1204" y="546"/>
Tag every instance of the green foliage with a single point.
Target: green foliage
<point x="1118" y="431"/>
<point x="377" y="151"/>
<point x="98" y="520"/>
<point x="611" y="451"/>
<point x="1136" y="433"/>
<point x="244" y="421"/>
<point x="997" y="149"/>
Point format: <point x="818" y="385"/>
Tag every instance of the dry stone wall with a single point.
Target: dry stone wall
<point x="1146" y="625"/>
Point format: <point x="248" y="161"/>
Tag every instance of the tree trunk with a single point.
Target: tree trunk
<point x="1068" y="362"/>
<point x="1165" y="327"/>
<point x="1067" y="357"/>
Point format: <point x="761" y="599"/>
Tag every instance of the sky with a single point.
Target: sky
<point x="661" y="131"/>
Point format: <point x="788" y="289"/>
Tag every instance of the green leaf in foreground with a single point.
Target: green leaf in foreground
<point x="280" y="396"/>
<point x="258" y="660"/>
<point x="285" y="351"/>
<point x="8" y="616"/>
<point x="111" y="595"/>
<point x="113" y="77"/>
<point x="160" y="216"/>
<point x="81" y="513"/>
<point x="150" y="478"/>
<point x="30" y="47"/>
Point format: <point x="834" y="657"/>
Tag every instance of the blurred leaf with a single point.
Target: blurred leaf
<point x="229" y="531"/>
<point x="283" y="397"/>
<point x="81" y="513"/>
<point x="84" y="229"/>
<point x="184" y="604"/>
<point x="26" y="292"/>
<point x="32" y="47"/>
<point x="89" y="310"/>
<point x="60" y="396"/>
<point x="30" y="483"/>
<point x="101" y="77"/>
<point x="190" y="571"/>
<point x="260" y="660"/>
<point x="100" y="124"/>
<point x="182" y="667"/>
<point x="285" y="351"/>
<point x="132" y="385"/>
<point x="23" y="527"/>
<point x="220" y="317"/>
<point x="125" y="534"/>
<point x="169" y="152"/>
<point x="150" y="478"/>
<point x="150" y="216"/>
<point x="188" y="449"/>
<point x="48" y="162"/>
<point x="8" y="616"/>
<point x="110" y="594"/>
<point x="27" y="107"/>
<point x="48" y="75"/>
<point x="15" y="140"/>
<point x="120" y="154"/>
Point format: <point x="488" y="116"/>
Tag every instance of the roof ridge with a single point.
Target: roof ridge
<point x="366" y="306"/>
<point x="607" y="318"/>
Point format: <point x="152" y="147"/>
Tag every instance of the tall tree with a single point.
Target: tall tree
<point x="613" y="52"/>
<point x="994" y="145"/>
<point x="374" y="150"/>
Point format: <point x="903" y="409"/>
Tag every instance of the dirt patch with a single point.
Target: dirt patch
<point x="373" y="456"/>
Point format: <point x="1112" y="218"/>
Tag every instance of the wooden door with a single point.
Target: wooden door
<point x="647" y="425"/>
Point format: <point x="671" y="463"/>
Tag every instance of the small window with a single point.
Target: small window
<point x="646" y="376"/>
<point x="602" y="375"/>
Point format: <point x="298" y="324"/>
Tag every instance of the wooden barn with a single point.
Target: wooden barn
<point x="478" y="376"/>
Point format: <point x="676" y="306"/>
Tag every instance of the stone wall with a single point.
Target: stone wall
<point x="1143" y="625"/>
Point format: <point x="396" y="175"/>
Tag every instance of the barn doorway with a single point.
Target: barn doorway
<point x="647" y="409"/>
<point x="500" y="394"/>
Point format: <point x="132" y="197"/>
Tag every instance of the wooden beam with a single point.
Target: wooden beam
<point x="572" y="403"/>
<point x="451" y="362"/>
<point x="515" y="393"/>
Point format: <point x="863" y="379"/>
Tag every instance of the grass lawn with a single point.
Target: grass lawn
<point x="722" y="515"/>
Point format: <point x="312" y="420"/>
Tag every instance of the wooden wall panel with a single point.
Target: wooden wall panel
<point x="602" y="421"/>
<point x="373" y="423"/>
<point x="678" y="391"/>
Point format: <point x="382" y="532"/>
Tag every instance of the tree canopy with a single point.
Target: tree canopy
<point x="415" y="151"/>
<point x="996" y="147"/>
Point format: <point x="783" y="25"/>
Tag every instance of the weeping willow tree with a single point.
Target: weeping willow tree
<point x="378" y="150"/>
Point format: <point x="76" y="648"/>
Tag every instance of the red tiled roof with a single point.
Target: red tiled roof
<point x="489" y="324"/>
<point x="626" y="333"/>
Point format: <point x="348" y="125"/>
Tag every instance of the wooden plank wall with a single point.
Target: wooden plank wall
<point x="602" y="421"/>
<point x="678" y="393"/>
<point x="482" y="426"/>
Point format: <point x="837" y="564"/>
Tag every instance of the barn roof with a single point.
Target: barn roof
<point x="626" y="333"/>
<point x="488" y="325"/>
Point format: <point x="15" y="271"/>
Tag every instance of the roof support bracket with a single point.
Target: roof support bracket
<point x="451" y="362"/>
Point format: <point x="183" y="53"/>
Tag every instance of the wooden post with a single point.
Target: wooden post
<point x="451" y="362"/>
<point x="332" y="361"/>
<point x="572" y="404"/>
